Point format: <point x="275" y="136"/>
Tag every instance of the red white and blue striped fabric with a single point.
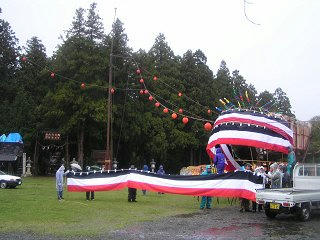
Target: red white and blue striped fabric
<point x="237" y="184"/>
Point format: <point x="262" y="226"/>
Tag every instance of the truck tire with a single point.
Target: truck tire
<point x="304" y="212"/>
<point x="3" y="185"/>
<point x="270" y="214"/>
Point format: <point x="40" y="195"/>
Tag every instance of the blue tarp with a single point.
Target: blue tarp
<point x="3" y="137"/>
<point x="14" y="137"/>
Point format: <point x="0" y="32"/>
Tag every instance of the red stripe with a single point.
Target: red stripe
<point x="248" y="142"/>
<point x="109" y="187"/>
<point x="262" y="124"/>
<point x="215" y="192"/>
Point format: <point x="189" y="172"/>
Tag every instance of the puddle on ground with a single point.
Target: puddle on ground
<point x="252" y="230"/>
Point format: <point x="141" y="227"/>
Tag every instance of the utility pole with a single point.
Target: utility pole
<point x="108" y="156"/>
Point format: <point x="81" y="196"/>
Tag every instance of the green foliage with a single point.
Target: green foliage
<point x="34" y="102"/>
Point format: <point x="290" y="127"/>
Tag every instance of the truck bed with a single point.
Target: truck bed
<point x="288" y="195"/>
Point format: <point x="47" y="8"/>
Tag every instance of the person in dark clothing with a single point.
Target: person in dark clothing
<point x="89" y="194"/>
<point x="132" y="192"/>
<point x="145" y="169"/>
<point x="245" y="204"/>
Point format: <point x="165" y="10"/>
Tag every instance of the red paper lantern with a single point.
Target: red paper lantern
<point x="185" y="120"/>
<point x="209" y="111"/>
<point x="24" y="59"/>
<point x="208" y="126"/>
<point x="155" y="78"/>
<point x="112" y="90"/>
<point x="179" y="94"/>
<point x="138" y="71"/>
<point x="141" y="91"/>
<point x="146" y="91"/>
<point x="141" y="80"/>
<point x="157" y="104"/>
<point x="174" y="115"/>
<point x="52" y="75"/>
<point x="180" y="110"/>
<point x="165" y="110"/>
<point x="83" y="85"/>
<point x="150" y="98"/>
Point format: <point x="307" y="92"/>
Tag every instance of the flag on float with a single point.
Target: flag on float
<point x="236" y="184"/>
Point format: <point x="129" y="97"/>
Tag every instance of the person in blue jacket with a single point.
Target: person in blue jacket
<point x="205" y="200"/>
<point x="145" y="169"/>
<point x="161" y="172"/>
<point x="219" y="160"/>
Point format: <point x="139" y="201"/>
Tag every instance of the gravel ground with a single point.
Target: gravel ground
<point x="217" y="223"/>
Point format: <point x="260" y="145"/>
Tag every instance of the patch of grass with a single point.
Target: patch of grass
<point x="34" y="207"/>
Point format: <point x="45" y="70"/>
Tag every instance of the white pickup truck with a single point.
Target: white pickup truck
<point x="299" y="200"/>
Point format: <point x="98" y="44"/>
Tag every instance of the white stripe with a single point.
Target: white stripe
<point x="97" y="181"/>
<point x="250" y="136"/>
<point x="259" y="119"/>
<point x="226" y="151"/>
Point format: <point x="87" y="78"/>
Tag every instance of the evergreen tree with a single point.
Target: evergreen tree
<point x="94" y="27"/>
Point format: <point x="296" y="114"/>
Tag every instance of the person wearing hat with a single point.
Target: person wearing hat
<point x="132" y="192"/>
<point x="206" y="200"/>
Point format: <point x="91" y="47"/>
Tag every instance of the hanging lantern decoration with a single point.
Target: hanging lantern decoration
<point x="185" y="120"/>
<point x="180" y="110"/>
<point x="146" y="91"/>
<point x="165" y="110"/>
<point x="180" y="94"/>
<point x="83" y="85"/>
<point x="141" y="91"/>
<point x="141" y="80"/>
<point x="174" y="115"/>
<point x="24" y="59"/>
<point x="157" y="104"/>
<point x="138" y="71"/>
<point x="52" y="75"/>
<point x="208" y="126"/>
<point x="155" y="78"/>
<point x="112" y="90"/>
<point x="209" y="111"/>
<point x="150" y="98"/>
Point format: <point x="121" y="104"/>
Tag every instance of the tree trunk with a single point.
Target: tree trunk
<point x="35" y="157"/>
<point x="80" y="144"/>
<point x="67" y="155"/>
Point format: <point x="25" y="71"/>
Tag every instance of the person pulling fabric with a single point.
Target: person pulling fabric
<point x="206" y="200"/>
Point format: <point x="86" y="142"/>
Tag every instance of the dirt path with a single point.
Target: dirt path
<point x="218" y="223"/>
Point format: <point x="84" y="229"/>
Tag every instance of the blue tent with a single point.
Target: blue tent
<point x="3" y="137"/>
<point x="14" y="137"/>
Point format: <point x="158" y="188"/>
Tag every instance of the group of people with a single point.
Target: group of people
<point x="279" y="176"/>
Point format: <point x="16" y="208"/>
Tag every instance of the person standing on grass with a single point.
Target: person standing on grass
<point x="206" y="200"/>
<point x="59" y="182"/>
<point x="88" y="193"/>
<point x="161" y="172"/>
<point x="145" y="169"/>
<point x="132" y="192"/>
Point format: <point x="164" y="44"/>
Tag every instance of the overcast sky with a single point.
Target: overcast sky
<point x="282" y="51"/>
